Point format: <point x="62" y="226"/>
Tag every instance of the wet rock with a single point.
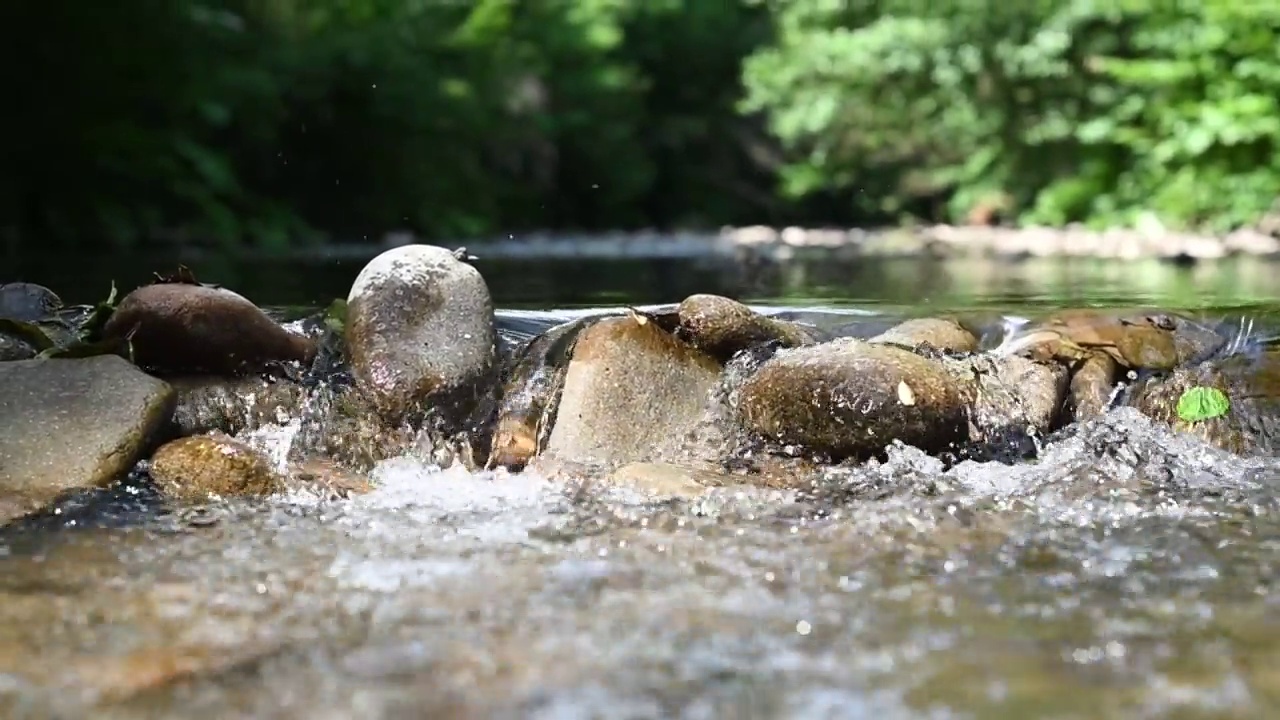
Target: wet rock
<point x="73" y="423"/>
<point x="1092" y="384"/>
<point x="1015" y="402"/>
<point x="1139" y="341"/>
<point x="195" y="468"/>
<point x="327" y="479"/>
<point x="632" y="392"/>
<point x="27" y="302"/>
<point x="722" y="327"/>
<point x="15" y="348"/>
<point x="530" y="395"/>
<point x="180" y="329"/>
<point x="1251" y="384"/>
<point x="851" y="398"/>
<point x="658" y="478"/>
<point x="233" y="405"/>
<point x="939" y="333"/>
<point x="420" y="335"/>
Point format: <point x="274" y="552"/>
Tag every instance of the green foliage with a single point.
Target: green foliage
<point x="267" y="123"/>
<point x="274" y="122"/>
<point x="1077" y="110"/>
<point x="1202" y="403"/>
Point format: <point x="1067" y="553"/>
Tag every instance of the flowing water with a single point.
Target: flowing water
<point x="1129" y="572"/>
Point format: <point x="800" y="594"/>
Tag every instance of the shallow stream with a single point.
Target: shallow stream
<point x="1129" y="572"/>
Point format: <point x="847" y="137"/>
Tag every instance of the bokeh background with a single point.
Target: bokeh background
<point x="141" y="129"/>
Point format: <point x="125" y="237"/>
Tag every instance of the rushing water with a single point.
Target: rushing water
<point x="1129" y="572"/>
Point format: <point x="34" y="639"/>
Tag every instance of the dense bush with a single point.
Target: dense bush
<point x="273" y="121"/>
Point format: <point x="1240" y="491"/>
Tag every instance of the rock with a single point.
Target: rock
<point x="27" y="302"/>
<point x="531" y="393"/>
<point x="326" y="479"/>
<point x="722" y="327"/>
<point x="1251" y="383"/>
<point x="183" y="329"/>
<point x="15" y="348"/>
<point x="1092" y="384"/>
<point x="74" y="423"/>
<point x="420" y="335"/>
<point x="632" y="392"/>
<point x="667" y="479"/>
<point x="195" y="468"/>
<point x="1150" y="341"/>
<point x="852" y="398"/>
<point x="939" y="333"/>
<point x="233" y="405"/>
<point x="1015" y="401"/>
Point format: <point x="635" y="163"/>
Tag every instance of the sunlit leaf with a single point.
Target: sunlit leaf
<point x="1202" y="403"/>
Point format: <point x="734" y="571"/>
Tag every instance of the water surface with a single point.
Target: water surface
<point x="1129" y="572"/>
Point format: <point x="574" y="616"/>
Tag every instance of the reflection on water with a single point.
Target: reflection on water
<point x="567" y="283"/>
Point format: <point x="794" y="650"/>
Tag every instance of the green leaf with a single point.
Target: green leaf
<point x="335" y="317"/>
<point x="1202" y="403"/>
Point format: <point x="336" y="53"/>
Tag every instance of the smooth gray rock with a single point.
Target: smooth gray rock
<point x="73" y="423"/>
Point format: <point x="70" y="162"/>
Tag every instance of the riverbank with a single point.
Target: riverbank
<point x="1149" y="240"/>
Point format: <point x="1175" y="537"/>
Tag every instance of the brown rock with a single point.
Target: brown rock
<point x="722" y="327"/>
<point x="852" y="398"/>
<point x="191" y="329"/>
<point x="194" y="468"/>
<point x="940" y="333"/>
<point x="632" y="392"/>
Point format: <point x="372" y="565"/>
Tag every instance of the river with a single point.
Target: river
<point x="1129" y="572"/>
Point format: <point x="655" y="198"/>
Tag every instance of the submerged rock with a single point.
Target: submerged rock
<point x="632" y="392"/>
<point x="180" y="329"/>
<point x="939" y="333"/>
<point x="420" y="335"/>
<point x="74" y="423"/>
<point x="852" y="398"/>
<point x="1251" y="383"/>
<point x="722" y="327"/>
<point x="233" y="405"/>
<point x="198" y="467"/>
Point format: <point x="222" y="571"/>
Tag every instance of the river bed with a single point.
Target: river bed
<point x="1127" y="573"/>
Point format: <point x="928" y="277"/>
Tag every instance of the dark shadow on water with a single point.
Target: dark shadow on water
<point x="915" y="283"/>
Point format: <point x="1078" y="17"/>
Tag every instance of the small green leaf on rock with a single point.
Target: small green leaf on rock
<point x="1202" y="403"/>
<point x="335" y="317"/>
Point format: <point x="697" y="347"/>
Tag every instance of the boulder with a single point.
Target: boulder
<point x="203" y="466"/>
<point x="722" y="327"/>
<point x="632" y="392"/>
<point x="68" y="424"/>
<point x="420" y="335"/>
<point x="27" y="302"/>
<point x="181" y="329"/>
<point x="849" y="398"/>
